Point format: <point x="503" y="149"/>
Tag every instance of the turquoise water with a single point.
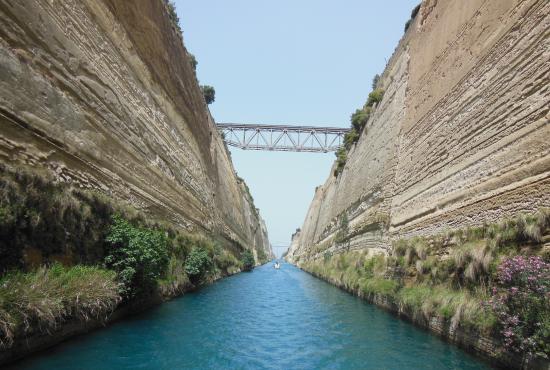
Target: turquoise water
<point x="267" y="319"/>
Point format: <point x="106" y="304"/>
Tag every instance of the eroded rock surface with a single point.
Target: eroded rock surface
<point x="461" y="137"/>
<point x="102" y="94"/>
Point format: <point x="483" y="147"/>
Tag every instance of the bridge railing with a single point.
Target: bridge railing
<point x="283" y="137"/>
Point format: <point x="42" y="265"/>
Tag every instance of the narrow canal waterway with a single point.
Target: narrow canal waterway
<point x="267" y="319"/>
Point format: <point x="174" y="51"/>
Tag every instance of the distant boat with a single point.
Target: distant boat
<point x="277" y="265"/>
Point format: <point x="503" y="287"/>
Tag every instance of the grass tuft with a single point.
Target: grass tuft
<point x="42" y="299"/>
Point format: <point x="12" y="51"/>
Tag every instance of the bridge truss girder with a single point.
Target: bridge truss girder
<point x="283" y="138"/>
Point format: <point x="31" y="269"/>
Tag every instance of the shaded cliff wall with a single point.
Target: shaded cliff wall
<point x="460" y="138"/>
<point x="101" y="93"/>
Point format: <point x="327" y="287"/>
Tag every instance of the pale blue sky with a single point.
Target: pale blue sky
<point x="302" y="62"/>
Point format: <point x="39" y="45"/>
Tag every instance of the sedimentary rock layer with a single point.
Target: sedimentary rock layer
<point x="102" y="94"/>
<point x="461" y="137"/>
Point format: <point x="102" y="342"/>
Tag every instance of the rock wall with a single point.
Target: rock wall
<point x="102" y="94"/>
<point x="460" y="138"/>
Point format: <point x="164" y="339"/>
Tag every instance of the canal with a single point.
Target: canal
<point x="267" y="319"/>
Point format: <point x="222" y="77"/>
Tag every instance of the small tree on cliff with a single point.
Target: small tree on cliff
<point x="193" y="61"/>
<point x="247" y="258"/>
<point x="375" y="81"/>
<point x="209" y="94"/>
<point x="173" y="15"/>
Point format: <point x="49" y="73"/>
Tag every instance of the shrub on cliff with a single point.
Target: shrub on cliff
<point x="226" y="261"/>
<point x="350" y="138"/>
<point x="209" y="94"/>
<point x="138" y="255"/>
<point x="359" y="119"/>
<point x="374" y="97"/>
<point x="521" y="302"/>
<point x="193" y="61"/>
<point x="44" y="298"/>
<point x="375" y="81"/>
<point x="262" y="257"/>
<point x="247" y="259"/>
<point x="173" y="15"/>
<point x="198" y="263"/>
<point x="341" y="158"/>
<point x="414" y="13"/>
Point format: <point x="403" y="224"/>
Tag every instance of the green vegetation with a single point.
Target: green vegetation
<point x="343" y="230"/>
<point x="41" y="221"/>
<point x="375" y="81"/>
<point x="255" y="210"/>
<point x="414" y="13"/>
<point x="138" y="255"/>
<point x="375" y="97"/>
<point x="193" y="61"/>
<point x="248" y="262"/>
<point x="117" y="255"/>
<point x="42" y="299"/>
<point x="209" y="94"/>
<point x="476" y="278"/>
<point x="227" y="262"/>
<point x="173" y="15"/>
<point x="341" y="158"/>
<point x="350" y="138"/>
<point x="198" y="263"/>
<point x="262" y="257"/>
<point x="521" y="302"/>
<point x="359" y="121"/>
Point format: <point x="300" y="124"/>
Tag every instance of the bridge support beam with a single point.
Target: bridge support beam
<point x="283" y="138"/>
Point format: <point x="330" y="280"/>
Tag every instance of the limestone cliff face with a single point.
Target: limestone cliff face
<point x="462" y="135"/>
<point x="102" y="94"/>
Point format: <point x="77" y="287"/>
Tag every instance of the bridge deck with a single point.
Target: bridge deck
<point x="283" y="137"/>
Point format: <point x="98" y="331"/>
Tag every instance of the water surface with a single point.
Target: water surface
<point x="266" y="319"/>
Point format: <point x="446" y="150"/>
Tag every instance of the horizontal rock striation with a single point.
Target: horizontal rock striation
<point x="460" y="137"/>
<point x="102" y="94"/>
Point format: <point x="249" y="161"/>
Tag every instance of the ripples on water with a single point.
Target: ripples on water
<point x="267" y="319"/>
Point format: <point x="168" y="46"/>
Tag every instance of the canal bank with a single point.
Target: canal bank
<point x="40" y="340"/>
<point x="485" y="346"/>
<point x="294" y="321"/>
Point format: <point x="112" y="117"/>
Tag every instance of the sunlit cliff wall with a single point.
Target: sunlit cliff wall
<point x="461" y="137"/>
<point x="102" y="94"/>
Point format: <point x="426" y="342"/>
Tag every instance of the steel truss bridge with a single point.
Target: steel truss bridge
<point x="283" y="138"/>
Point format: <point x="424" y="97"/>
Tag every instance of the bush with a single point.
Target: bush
<point x="49" y="296"/>
<point x="359" y="119"/>
<point x="414" y="13"/>
<point x="173" y="15"/>
<point x="375" y="97"/>
<point x="138" y="255"/>
<point x="521" y="303"/>
<point x="385" y="287"/>
<point x="415" y="10"/>
<point x="375" y="81"/>
<point x="198" y="263"/>
<point x="209" y="94"/>
<point x="193" y="61"/>
<point x="341" y="158"/>
<point x="247" y="259"/>
<point x="175" y="280"/>
<point x="226" y="261"/>
<point x="350" y="138"/>
<point x="262" y="257"/>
